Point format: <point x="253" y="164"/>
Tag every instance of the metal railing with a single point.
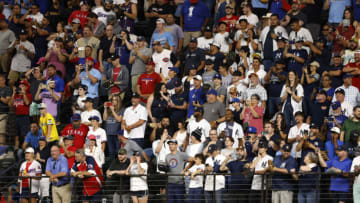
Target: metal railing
<point x="159" y="189"/>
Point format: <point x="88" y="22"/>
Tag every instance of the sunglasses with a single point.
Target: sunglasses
<point x="155" y="44"/>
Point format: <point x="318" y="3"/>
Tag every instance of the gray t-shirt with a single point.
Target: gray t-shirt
<point x="208" y="76"/>
<point x="226" y="80"/>
<point x="221" y="91"/>
<point x="214" y="111"/>
<point x="176" y="32"/>
<point x="131" y="147"/>
<point x="176" y="164"/>
<point x="138" y="67"/>
<point x="6" y="38"/>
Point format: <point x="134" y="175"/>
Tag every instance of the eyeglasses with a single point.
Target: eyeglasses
<point x="155" y="44"/>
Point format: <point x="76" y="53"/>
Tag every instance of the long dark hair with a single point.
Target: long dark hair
<point x="157" y="91"/>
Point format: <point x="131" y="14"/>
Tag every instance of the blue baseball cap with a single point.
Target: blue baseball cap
<point x="212" y="91"/>
<point x="217" y="76"/>
<point x="94" y="118"/>
<point x="175" y="69"/>
<point x="347" y="75"/>
<point x="76" y="117"/>
<point x="43" y="138"/>
<point x="235" y="100"/>
<point x="252" y="129"/>
<point x="177" y="82"/>
<point x="335" y="105"/>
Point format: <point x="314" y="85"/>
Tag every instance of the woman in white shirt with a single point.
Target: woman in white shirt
<point x="95" y="151"/>
<point x="29" y="167"/>
<point x="138" y="185"/>
<point x="180" y="135"/>
<point x="291" y="95"/>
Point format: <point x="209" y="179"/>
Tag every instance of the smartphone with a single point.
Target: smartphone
<point x="330" y="119"/>
<point x="108" y="104"/>
<point x="81" y="49"/>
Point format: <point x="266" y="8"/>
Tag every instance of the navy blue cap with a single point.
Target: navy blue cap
<point x="235" y="100"/>
<point x="88" y="99"/>
<point x="199" y="109"/>
<point x="340" y="90"/>
<point x="69" y="137"/>
<point x="212" y="148"/>
<point x="286" y="148"/>
<point x="262" y="144"/>
<point x="252" y="129"/>
<point x="140" y="38"/>
<point x="175" y="69"/>
<point x="347" y="75"/>
<point x="135" y="95"/>
<point x="76" y="117"/>
<point x="177" y="82"/>
<point x="212" y="91"/>
<point x="191" y="67"/>
<point x="217" y="76"/>
<point x="314" y="125"/>
<point x="94" y="118"/>
<point x="342" y="148"/>
<point x="335" y="105"/>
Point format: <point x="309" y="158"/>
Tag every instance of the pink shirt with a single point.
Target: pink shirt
<point x="254" y="122"/>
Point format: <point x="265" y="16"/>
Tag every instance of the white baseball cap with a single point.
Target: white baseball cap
<point x="197" y="77"/>
<point x="335" y="130"/>
<point x="30" y="150"/>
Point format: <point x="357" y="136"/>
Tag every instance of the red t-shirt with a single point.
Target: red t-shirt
<point x="82" y="16"/>
<point x="355" y="79"/>
<point x="148" y="83"/>
<point x="20" y="107"/>
<point x="79" y="134"/>
<point x="116" y="72"/>
<point x="70" y="160"/>
<point x="228" y="21"/>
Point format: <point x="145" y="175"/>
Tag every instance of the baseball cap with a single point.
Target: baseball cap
<point x="347" y="75"/>
<point x="228" y="6"/>
<point x="70" y="137"/>
<point x="335" y="130"/>
<point x="300" y="39"/>
<point x="193" y="40"/>
<point x="94" y="118"/>
<point x="315" y="63"/>
<point x="150" y="62"/>
<point x="113" y="57"/>
<point x="262" y="144"/>
<point x="41" y="59"/>
<point x="212" y="148"/>
<point x="140" y="38"/>
<point x="207" y="29"/>
<point x="212" y="91"/>
<point x="286" y="148"/>
<point x="89" y="59"/>
<point x="340" y="90"/>
<point x="342" y="148"/>
<point x="92" y="137"/>
<point x="30" y="150"/>
<point x="252" y="129"/>
<point x="109" y="1"/>
<point x="281" y="38"/>
<point x="135" y="95"/>
<point x="215" y="44"/>
<point x="253" y="74"/>
<point x="209" y="62"/>
<point x="84" y="3"/>
<point x="76" y="20"/>
<point x="217" y="76"/>
<point x="197" y="77"/>
<point x="314" y="125"/>
<point x="175" y="69"/>
<point x="280" y="61"/>
<point x="235" y="100"/>
<point x="336" y="54"/>
<point x="42" y="106"/>
<point x="160" y="20"/>
<point x="122" y="151"/>
<point x="76" y="117"/>
<point x="84" y="87"/>
<point x="172" y="141"/>
<point x="110" y="18"/>
<point x="191" y="67"/>
<point x="23" y="32"/>
<point x="43" y="138"/>
<point x="177" y="82"/>
<point x="88" y="99"/>
<point x="335" y="105"/>
<point x="237" y="73"/>
<point x="197" y="134"/>
<point x="199" y="109"/>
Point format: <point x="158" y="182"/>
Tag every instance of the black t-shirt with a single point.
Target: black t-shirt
<point x="4" y="92"/>
<point x="276" y="84"/>
<point x="323" y="59"/>
<point x="34" y="85"/>
<point x="192" y="58"/>
<point x="319" y="111"/>
<point x="122" y="182"/>
<point x="164" y="9"/>
<point x="313" y="12"/>
<point x="105" y="44"/>
<point x="44" y="154"/>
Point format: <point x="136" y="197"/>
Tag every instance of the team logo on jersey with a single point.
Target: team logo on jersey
<point x="173" y="163"/>
<point x="90" y="166"/>
<point x="166" y="60"/>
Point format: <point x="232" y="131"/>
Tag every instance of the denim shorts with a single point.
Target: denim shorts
<point x="25" y="193"/>
<point x="140" y="193"/>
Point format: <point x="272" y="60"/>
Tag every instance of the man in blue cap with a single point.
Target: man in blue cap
<point x="352" y="94"/>
<point x="172" y="77"/>
<point x="346" y="107"/>
<point x="283" y="185"/>
<point x="77" y="129"/>
<point x="214" y="111"/>
<point x="196" y="95"/>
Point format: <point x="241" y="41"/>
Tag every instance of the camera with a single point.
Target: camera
<point x="108" y="104"/>
<point x="18" y="90"/>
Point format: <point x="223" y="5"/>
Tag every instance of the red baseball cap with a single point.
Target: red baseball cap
<point x="150" y="63"/>
<point x="92" y="137"/>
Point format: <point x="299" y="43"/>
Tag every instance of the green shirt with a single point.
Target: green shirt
<point x="348" y="126"/>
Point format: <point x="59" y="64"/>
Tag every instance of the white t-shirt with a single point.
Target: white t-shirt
<point x="80" y="102"/>
<point x="87" y="114"/>
<point x="304" y="34"/>
<point x="162" y="62"/>
<point x="38" y="17"/>
<point x="138" y="183"/>
<point x="220" y="179"/>
<point x="294" y="131"/>
<point x="34" y="168"/>
<point x="117" y="2"/>
<point x="346" y="108"/>
<point x="251" y="19"/>
<point x="133" y="115"/>
<point x="297" y="106"/>
<point x="198" y="180"/>
<point x="221" y="39"/>
<point x="204" y="43"/>
<point x="181" y="138"/>
<point x="355" y="162"/>
<point x="97" y="154"/>
<point x="203" y="125"/>
<point x="100" y="135"/>
<point x="102" y="14"/>
<point x="20" y="62"/>
<point x="261" y="165"/>
<point x="194" y="149"/>
<point x="237" y="131"/>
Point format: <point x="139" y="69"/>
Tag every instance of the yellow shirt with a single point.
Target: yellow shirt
<point x="44" y="124"/>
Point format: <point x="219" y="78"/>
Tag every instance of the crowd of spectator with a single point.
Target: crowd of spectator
<point x="127" y="92"/>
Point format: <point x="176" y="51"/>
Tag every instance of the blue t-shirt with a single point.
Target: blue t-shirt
<point x="44" y="5"/>
<point x="340" y="183"/>
<point x="194" y="16"/>
<point x="163" y="38"/>
<point x="317" y="143"/>
<point x="282" y="181"/>
<point x="93" y="89"/>
<point x="330" y="148"/>
<point x="59" y="83"/>
<point x="32" y="139"/>
<point x="308" y="182"/>
<point x="295" y="65"/>
<point x="238" y="181"/>
<point x="337" y="9"/>
<point x="356" y="7"/>
<point x="330" y="92"/>
<point x="195" y="95"/>
<point x="123" y="52"/>
<point x="276" y="7"/>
